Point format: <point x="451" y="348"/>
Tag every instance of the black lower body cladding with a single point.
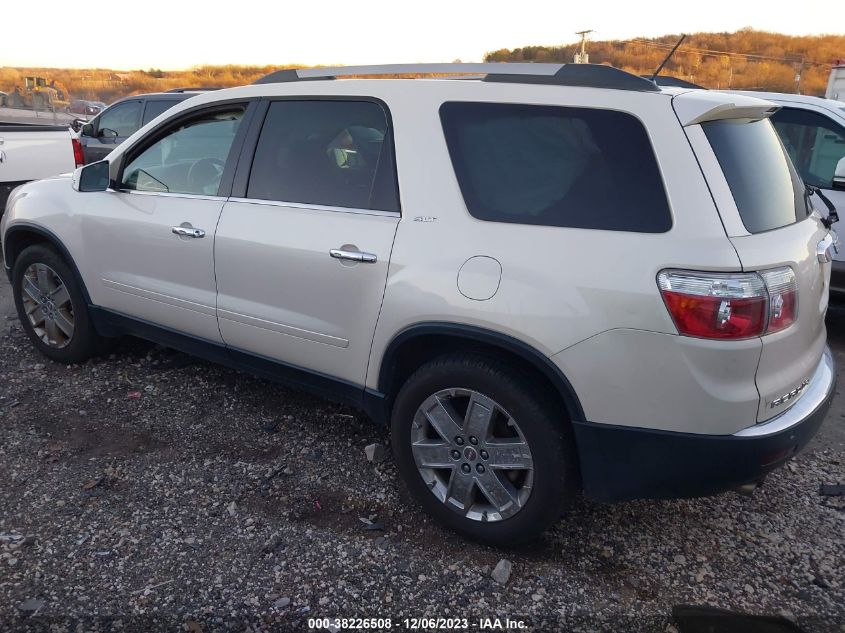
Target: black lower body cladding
<point x="621" y="463"/>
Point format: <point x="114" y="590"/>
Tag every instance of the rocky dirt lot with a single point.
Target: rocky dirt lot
<point x="151" y="491"/>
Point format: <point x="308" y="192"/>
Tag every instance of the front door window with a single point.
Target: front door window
<point x="189" y="159"/>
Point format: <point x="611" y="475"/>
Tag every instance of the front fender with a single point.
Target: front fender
<point x="41" y="212"/>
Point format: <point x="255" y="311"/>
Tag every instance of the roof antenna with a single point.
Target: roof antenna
<point x="668" y="57"/>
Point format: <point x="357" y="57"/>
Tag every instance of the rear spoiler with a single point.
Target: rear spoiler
<point x="698" y="106"/>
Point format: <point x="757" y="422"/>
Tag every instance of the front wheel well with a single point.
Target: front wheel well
<point x="19" y="240"/>
<point x="20" y="237"/>
<point x="413" y="348"/>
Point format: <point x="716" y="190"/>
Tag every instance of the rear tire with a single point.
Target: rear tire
<point x="51" y="306"/>
<point x="501" y="475"/>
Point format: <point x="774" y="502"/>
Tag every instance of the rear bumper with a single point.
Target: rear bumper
<point x="621" y="463"/>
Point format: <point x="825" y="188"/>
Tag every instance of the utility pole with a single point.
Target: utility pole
<point x="798" y="61"/>
<point x="582" y="57"/>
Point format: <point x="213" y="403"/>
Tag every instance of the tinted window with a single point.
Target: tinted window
<point x="333" y="153"/>
<point x="767" y="190"/>
<point x="123" y="118"/>
<point x="814" y="142"/>
<point x="189" y="159"/>
<point x="555" y="166"/>
<point x="154" y="108"/>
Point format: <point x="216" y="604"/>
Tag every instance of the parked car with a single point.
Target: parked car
<point x="31" y="152"/>
<point x="555" y="278"/>
<point x="78" y="106"/>
<point x="122" y="119"/>
<point x="94" y="108"/>
<point x="813" y="131"/>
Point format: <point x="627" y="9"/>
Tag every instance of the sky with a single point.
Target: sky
<point x="177" y="34"/>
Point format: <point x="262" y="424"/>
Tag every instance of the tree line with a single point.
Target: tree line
<point x="744" y="60"/>
<point x="100" y="84"/>
<point x="747" y="59"/>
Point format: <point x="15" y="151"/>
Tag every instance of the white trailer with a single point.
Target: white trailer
<point x="836" y="82"/>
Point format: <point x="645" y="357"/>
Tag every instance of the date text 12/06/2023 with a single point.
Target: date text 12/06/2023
<point x="417" y="624"/>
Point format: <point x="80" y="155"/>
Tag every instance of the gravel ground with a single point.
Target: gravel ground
<point x="152" y="491"/>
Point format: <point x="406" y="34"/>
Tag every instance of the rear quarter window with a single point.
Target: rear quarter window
<point x="767" y="190"/>
<point x="156" y="107"/>
<point x="555" y="166"/>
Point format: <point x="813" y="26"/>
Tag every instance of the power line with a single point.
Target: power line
<point x="708" y="51"/>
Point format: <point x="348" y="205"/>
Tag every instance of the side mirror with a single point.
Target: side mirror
<point x="839" y="175"/>
<point x="107" y="135"/>
<point x="87" y="129"/>
<point x="93" y="177"/>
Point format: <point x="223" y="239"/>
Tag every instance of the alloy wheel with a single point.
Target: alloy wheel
<point x="472" y="455"/>
<point x="47" y="304"/>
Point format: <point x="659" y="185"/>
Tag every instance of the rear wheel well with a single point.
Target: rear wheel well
<point x="404" y="357"/>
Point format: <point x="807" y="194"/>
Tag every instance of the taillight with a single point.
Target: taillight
<point x="729" y="305"/>
<point x="783" y="298"/>
<point x="78" y="154"/>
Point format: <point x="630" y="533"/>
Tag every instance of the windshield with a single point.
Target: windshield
<point x="768" y="191"/>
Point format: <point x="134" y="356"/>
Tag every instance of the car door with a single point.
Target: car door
<point x="303" y="246"/>
<point x="113" y="126"/>
<point x="816" y="143"/>
<point x="152" y="239"/>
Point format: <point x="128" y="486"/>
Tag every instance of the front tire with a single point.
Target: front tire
<point x="51" y="306"/>
<point x="483" y="450"/>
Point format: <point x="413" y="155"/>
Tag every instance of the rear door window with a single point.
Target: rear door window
<point x="156" y="107"/>
<point x="767" y="190"/>
<point x="331" y="153"/>
<point x="556" y="166"/>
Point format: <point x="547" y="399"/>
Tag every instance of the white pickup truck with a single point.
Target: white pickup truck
<point x="32" y="152"/>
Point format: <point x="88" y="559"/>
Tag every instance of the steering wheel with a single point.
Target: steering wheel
<point x="205" y="172"/>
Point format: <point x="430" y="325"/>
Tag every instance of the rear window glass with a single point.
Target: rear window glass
<point x="556" y="166"/>
<point x="767" y="190"/>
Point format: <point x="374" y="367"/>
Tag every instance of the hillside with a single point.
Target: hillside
<point x="746" y="59"/>
<point x="108" y="85"/>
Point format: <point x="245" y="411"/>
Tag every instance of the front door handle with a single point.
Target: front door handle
<point x="187" y="231"/>
<point x="354" y="256"/>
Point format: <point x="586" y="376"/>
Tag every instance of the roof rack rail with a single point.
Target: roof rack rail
<point x="673" y="82"/>
<point x="583" y="75"/>
<point x="197" y="89"/>
<point x="286" y="75"/>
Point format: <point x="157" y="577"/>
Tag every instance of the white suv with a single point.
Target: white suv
<point x="545" y="278"/>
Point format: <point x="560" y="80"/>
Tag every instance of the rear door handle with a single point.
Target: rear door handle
<point x="187" y="231"/>
<point x="354" y="256"/>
